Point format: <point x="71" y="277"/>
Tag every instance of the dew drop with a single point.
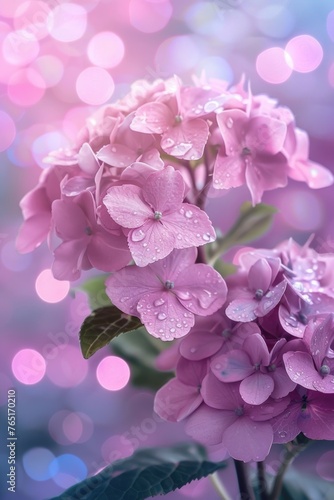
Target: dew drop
<point x="229" y="122"/>
<point x="193" y="349"/>
<point x="158" y="302"/>
<point x="161" y="316"/>
<point x="137" y="235"/>
<point x="206" y="237"/>
<point x="113" y="149"/>
<point x="188" y="214"/>
<point x="172" y="330"/>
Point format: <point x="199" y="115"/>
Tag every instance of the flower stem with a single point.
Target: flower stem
<point x="219" y="487"/>
<point x="292" y="450"/>
<point x="262" y="483"/>
<point x="246" y="492"/>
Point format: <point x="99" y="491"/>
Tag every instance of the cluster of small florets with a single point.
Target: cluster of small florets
<point x="260" y="370"/>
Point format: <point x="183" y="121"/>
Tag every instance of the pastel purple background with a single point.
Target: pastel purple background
<point x="68" y="425"/>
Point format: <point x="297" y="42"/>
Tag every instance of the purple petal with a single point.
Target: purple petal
<point x="126" y="206"/>
<point x="68" y="258"/>
<point x="164" y="190"/>
<point x="191" y="372"/>
<point x="247" y="440"/>
<point x="190" y="226"/>
<point x="107" y="252"/>
<point x="164" y="316"/>
<point x="176" y="262"/>
<point x="87" y="160"/>
<point x="300" y="368"/>
<point x="150" y="242"/>
<point x="321" y="339"/>
<point x="33" y="232"/>
<point x="176" y="401"/>
<point x="138" y="172"/>
<point x="217" y="394"/>
<point x="283" y="384"/>
<point x="242" y="310"/>
<point x="200" y="345"/>
<point x="117" y="155"/>
<point x="186" y="140"/>
<point x="232" y="366"/>
<point x="290" y="322"/>
<point x="126" y="287"/>
<point x="320" y="421"/>
<point x="232" y="124"/>
<point x="201" y="289"/>
<point x="256" y="388"/>
<point x="207" y="425"/>
<point x="69" y="219"/>
<point x="268" y="410"/>
<point x="228" y="172"/>
<point x="266" y="135"/>
<point x="260" y="276"/>
<point x="286" y="426"/>
<point x="257" y="350"/>
<point x="271" y="299"/>
<point x="152" y="118"/>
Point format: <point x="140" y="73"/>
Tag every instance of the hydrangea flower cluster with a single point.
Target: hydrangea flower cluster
<point x="260" y="370"/>
<point x="256" y="364"/>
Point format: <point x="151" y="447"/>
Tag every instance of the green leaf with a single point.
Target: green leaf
<point x="102" y="326"/>
<point x="95" y="289"/>
<point x="147" y="473"/>
<point x="140" y="350"/>
<point x="252" y="223"/>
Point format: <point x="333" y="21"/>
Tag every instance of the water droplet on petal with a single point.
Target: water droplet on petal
<point x="137" y="235"/>
<point x="158" y="302"/>
<point x="193" y="349"/>
<point x="162" y="316"/>
<point x="172" y="330"/>
<point x="188" y="214"/>
<point x="206" y="237"/>
<point x="229" y="122"/>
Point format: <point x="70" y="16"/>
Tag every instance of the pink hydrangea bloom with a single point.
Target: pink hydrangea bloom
<point x="85" y="244"/>
<point x="167" y="294"/>
<point x="157" y="218"/>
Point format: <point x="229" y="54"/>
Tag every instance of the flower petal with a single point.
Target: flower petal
<point x="228" y="171"/>
<point x="256" y="388"/>
<point x="233" y="366"/>
<point x="186" y="140"/>
<point x="150" y="242"/>
<point x="217" y="394"/>
<point x="69" y="219"/>
<point x="232" y="124"/>
<point x="260" y="276"/>
<point x="300" y="369"/>
<point x="67" y="259"/>
<point x="176" y="401"/>
<point x="152" y="118"/>
<point x="207" y="425"/>
<point x="266" y="135"/>
<point x="164" y="316"/>
<point x="247" y="440"/>
<point x="117" y="155"/>
<point x="242" y="310"/>
<point x="257" y="350"/>
<point x="126" y="206"/>
<point x="164" y="190"/>
<point x="108" y="252"/>
<point x="271" y="299"/>
<point x="191" y="372"/>
<point x="33" y="231"/>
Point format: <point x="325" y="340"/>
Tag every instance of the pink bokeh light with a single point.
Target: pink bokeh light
<point x="67" y="427"/>
<point x="51" y="69"/>
<point x="150" y="16"/>
<point x="49" y="289"/>
<point x="273" y="65"/>
<point x="8" y="9"/>
<point x="33" y="19"/>
<point x="113" y="373"/>
<point x="106" y="49"/>
<point x="95" y="85"/>
<point x="116" y="447"/>
<point x="19" y="50"/>
<point x="28" y="366"/>
<point x="26" y="87"/>
<point x="68" y="22"/>
<point x="305" y="53"/>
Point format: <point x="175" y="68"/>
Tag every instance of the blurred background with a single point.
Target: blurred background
<point x="59" y="61"/>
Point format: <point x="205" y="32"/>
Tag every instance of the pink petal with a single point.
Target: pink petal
<point x="152" y="118"/>
<point x="191" y="372"/>
<point x="126" y="206"/>
<point x="208" y="425"/>
<point x="232" y="366"/>
<point x="257" y="349"/>
<point x="228" y="171"/>
<point x="247" y="440"/>
<point x="232" y="124"/>
<point x="33" y="232"/>
<point x="266" y="135"/>
<point x="190" y="226"/>
<point x="283" y="383"/>
<point x="268" y="410"/>
<point x="300" y="369"/>
<point x="200" y="345"/>
<point x="321" y="340"/>
<point x="265" y="174"/>
<point x="320" y="424"/>
<point x="186" y="140"/>
<point x="107" y="252"/>
<point x="68" y="258"/>
<point x="271" y="299"/>
<point x="201" y="289"/>
<point x="242" y="310"/>
<point x="260" y="276"/>
<point x="290" y="322"/>
<point x="286" y="426"/>
<point x="87" y="160"/>
<point x="217" y="394"/>
<point x="325" y="384"/>
<point x="164" y="190"/>
<point x="138" y="172"/>
<point x="164" y="316"/>
<point x="36" y="201"/>
<point x="150" y="242"/>
<point x="126" y="287"/>
<point x="69" y="219"/>
<point x="315" y="175"/>
<point x="153" y="158"/>
<point x="256" y="388"/>
<point x="117" y="155"/>
<point x="177" y="261"/>
<point x="176" y="401"/>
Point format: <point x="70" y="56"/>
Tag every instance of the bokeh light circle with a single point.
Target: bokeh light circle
<point x="65" y="364"/>
<point x="28" y="366"/>
<point x="275" y="20"/>
<point x="305" y="53"/>
<point x="67" y="469"/>
<point x="51" y="69"/>
<point x="330" y="25"/>
<point x="273" y="65"/>
<point x="8" y="9"/>
<point x="113" y="373"/>
<point x="106" y="49"/>
<point x="325" y="466"/>
<point x="68" y="22"/>
<point x="18" y="49"/>
<point x="41" y="147"/>
<point x="8" y="130"/>
<point x="176" y="55"/>
<point x="49" y="289"/>
<point x="12" y="259"/>
<point x="116" y="447"/>
<point x="95" y="86"/>
<point x="26" y="87"/>
<point x="33" y="19"/>
<point x="149" y="16"/>
<point x="36" y="463"/>
<point x="302" y="210"/>
<point x="67" y="427"/>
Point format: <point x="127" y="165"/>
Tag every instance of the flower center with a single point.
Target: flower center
<point x="302" y="318"/>
<point x="88" y="231"/>
<point x="272" y="367"/>
<point x="169" y="285"/>
<point x="259" y="294"/>
<point x="239" y="411"/>
<point x="178" y="119"/>
<point x="246" y="151"/>
<point x="324" y="370"/>
<point x="227" y="333"/>
<point x="157" y="215"/>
